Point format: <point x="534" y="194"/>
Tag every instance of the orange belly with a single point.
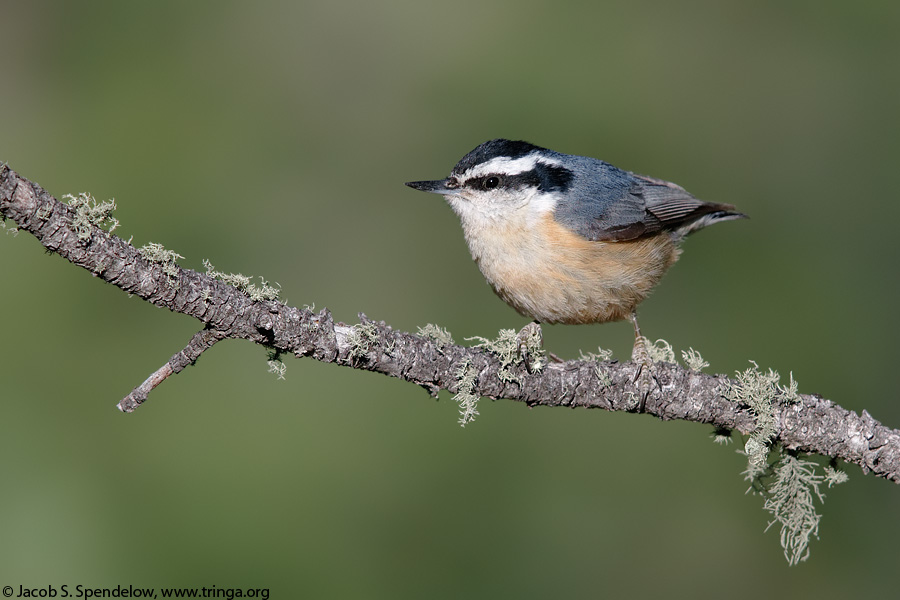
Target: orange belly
<point x="555" y="276"/>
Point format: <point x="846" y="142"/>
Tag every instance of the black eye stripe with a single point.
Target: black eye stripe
<point x="547" y="178"/>
<point x="554" y="178"/>
<point x="487" y="182"/>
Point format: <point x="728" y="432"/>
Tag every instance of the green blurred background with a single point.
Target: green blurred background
<point x="274" y="139"/>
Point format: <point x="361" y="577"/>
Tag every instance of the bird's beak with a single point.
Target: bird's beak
<point x="435" y="187"/>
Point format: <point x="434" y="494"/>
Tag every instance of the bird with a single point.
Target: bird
<point x="569" y="239"/>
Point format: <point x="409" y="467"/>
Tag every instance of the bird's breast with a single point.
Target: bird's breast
<point x="549" y="273"/>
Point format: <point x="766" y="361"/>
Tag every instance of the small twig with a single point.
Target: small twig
<point x="200" y="343"/>
<point x="139" y="394"/>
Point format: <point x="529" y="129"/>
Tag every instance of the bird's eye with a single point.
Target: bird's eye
<point x="491" y="183"/>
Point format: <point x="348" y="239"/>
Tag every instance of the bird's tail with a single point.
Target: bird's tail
<point x="707" y="214"/>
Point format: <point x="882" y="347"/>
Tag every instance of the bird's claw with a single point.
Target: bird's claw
<point x="530" y="346"/>
<point x="643" y="377"/>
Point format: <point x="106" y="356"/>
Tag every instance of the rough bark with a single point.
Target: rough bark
<point x="809" y="424"/>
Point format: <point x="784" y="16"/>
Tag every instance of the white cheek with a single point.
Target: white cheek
<point x="475" y="214"/>
<point x="460" y="206"/>
<point x="539" y="205"/>
<point x="503" y="210"/>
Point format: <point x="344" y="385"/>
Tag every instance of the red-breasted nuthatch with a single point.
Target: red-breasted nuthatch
<point x="569" y="239"/>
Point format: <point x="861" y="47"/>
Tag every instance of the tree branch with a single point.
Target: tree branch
<point x="202" y="341"/>
<point x="810" y="423"/>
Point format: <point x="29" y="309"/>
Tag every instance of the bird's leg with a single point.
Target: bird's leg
<point x="639" y="352"/>
<point x="640" y="355"/>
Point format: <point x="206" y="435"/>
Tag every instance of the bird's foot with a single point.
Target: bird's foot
<point x="643" y="377"/>
<point x="530" y="345"/>
<point x="640" y="356"/>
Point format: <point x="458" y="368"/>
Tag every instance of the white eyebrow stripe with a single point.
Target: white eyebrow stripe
<point x="509" y="166"/>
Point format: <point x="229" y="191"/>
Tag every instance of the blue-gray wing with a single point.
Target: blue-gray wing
<point x="626" y="207"/>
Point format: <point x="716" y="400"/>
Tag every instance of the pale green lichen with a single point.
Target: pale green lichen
<point x="658" y="351"/>
<point x="8" y="230"/>
<point x="157" y="253"/>
<point x="44" y="212"/>
<point x="789" y="484"/>
<point x="512" y="348"/>
<point x="722" y="436"/>
<point x="693" y="360"/>
<point x="603" y="377"/>
<point x="759" y="391"/>
<point x="790" y="500"/>
<point x="465" y="396"/>
<point x="438" y="335"/>
<point x="600" y="355"/>
<point x="601" y="371"/>
<point x="276" y="365"/>
<point x="89" y="214"/>
<point x="834" y="476"/>
<point x="790" y="393"/>
<point x="264" y="291"/>
<point x="361" y="338"/>
<point x="757" y="454"/>
<point x="506" y="348"/>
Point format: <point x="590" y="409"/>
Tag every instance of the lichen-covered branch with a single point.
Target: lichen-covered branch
<point x="802" y="423"/>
